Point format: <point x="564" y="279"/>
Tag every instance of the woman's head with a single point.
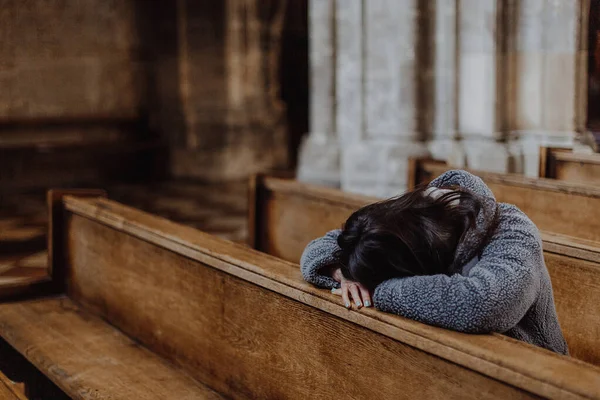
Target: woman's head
<point x="414" y="234"/>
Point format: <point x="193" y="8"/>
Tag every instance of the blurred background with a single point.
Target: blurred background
<point x="172" y="105"/>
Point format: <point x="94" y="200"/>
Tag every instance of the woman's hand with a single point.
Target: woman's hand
<point x="358" y="292"/>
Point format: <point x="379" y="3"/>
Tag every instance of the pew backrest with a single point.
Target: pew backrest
<point x="554" y="206"/>
<point x="286" y="215"/>
<point x="246" y="324"/>
<point x="565" y="165"/>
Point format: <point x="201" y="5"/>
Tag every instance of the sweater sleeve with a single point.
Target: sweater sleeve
<point x="464" y="180"/>
<point x="494" y="297"/>
<point x="318" y="254"/>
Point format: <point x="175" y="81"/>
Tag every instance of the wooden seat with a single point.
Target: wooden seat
<point x="287" y="215"/>
<point x="561" y="207"/>
<point x="86" y="356"/>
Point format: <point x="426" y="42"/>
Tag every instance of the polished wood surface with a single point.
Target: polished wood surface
<point x="555" y="206"/>
<point x="291" y="214"/>
<point x="213" y="306"/>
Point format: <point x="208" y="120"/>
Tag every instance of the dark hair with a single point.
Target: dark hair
<point x="413" y="234"/>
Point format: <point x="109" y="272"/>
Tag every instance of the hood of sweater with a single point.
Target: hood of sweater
<point x="476" y="237"/>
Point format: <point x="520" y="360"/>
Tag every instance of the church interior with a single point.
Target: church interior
<point x="154" y="210"/>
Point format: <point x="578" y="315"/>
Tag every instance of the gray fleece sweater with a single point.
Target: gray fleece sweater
<point x="503" y="287"/>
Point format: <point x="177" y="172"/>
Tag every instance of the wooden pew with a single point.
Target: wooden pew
<point x="565" y="165"/>
<point x="562" y="207"/>
<point x="203" y="312"/>
<point x="286" y="215"/>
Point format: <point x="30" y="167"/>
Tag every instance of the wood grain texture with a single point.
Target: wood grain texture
<point x="293" y="214"/>
<point x="87" y="358"/>
<point x="562" y="207"/>
<point x="56" y="231"/>
<point x="576" y="285"/>
<point x="246" y="341"/>
<point x="9" y="390"/>
<point x="7" y="393"/>
<point x="22" y="274"/>
<point x="219" y="298"/>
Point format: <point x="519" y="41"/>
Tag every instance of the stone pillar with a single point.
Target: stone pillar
<point x="230" y="89"/>
<point x="350" y="113"/>
<point x="390" y="69"/>
<point x="481" y="84"/>
<point x="392" y="126"/>
<point x="443" y="145"/>
<point x="319" y="158"/>
<point x="548" y="75"/>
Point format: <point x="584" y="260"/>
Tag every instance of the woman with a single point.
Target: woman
<point x="447" y="255"/>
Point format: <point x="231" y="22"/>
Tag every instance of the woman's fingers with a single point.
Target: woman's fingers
<point x="353" y="291"/>
<point x="366" y="297"/>
<point x="355" y="295"/>
<point x="345" y="297"/>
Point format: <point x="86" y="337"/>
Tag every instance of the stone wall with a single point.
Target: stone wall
<point x="229" y="68"/>
<point x="61" y="59"/>
<point x="204" y="75"/>
<point x="479" y="83"/>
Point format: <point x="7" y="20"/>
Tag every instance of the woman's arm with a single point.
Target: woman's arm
<point x="493" y="298"/>
<point x="464" y="180"/>
<point x="318" y="259"/>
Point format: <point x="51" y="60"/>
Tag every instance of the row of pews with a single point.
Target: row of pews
<point x="138" y="307"/>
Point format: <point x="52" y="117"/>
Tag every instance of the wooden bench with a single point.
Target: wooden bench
<point x="562" y="207"/>
<point x="153" y="309"/>
<point x="288" y="214"/>
<point x="565" y="165"/>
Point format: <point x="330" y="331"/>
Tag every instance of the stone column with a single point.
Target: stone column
<point x="319" y="158"/>
<point x="229" y="87"/>
<point x="481" y="72"/>
<point x="548" y="76"/>
<point x="377" y="164"/>
<point x="349" y="65"/>
<point x="443" y="145"/>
